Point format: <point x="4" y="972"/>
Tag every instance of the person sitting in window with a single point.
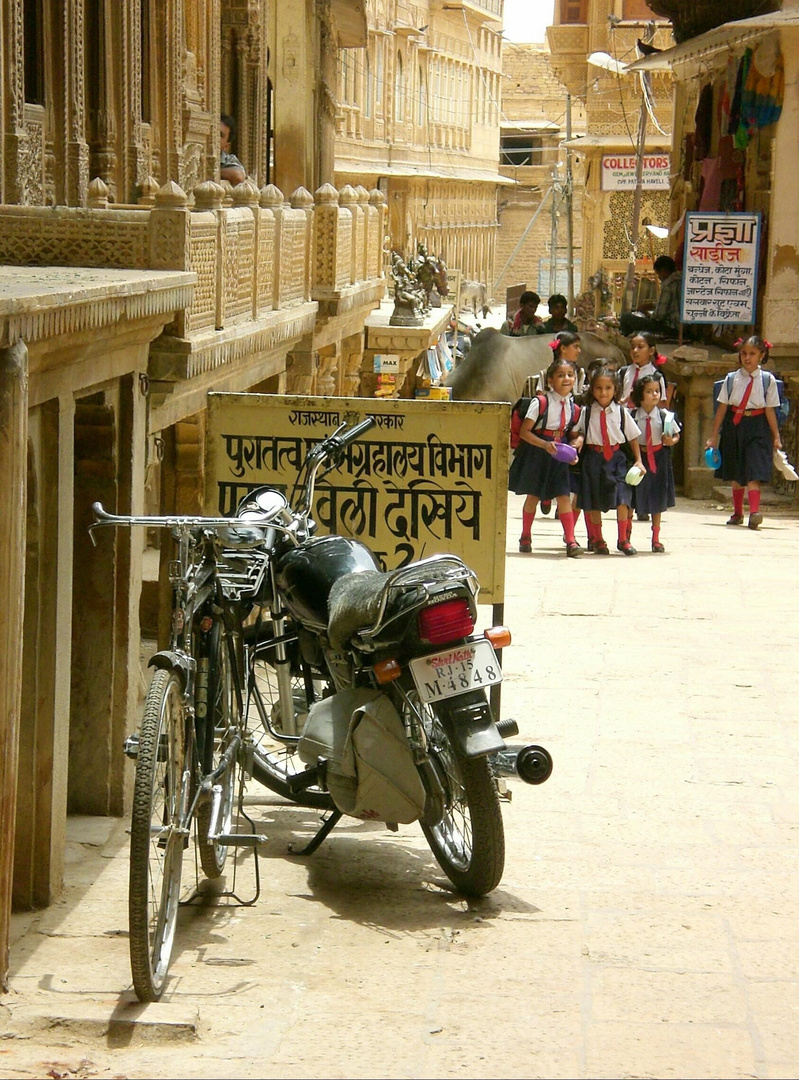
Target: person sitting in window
<point x="230" y="168"/>
<point x="665" y="319"/>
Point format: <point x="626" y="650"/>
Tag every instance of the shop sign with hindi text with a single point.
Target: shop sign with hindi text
<point x="719" y="281"/>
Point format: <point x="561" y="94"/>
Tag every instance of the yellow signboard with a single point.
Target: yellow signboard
<point x="429" y="478"/>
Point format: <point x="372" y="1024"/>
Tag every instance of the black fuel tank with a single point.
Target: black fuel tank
<point x="306" y="574"/>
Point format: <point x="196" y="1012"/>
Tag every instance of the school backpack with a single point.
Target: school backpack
<point x="519" y="412"/>
<point x="783" y="409"/>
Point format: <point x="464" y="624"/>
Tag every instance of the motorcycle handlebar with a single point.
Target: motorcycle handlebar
<point x="355" y="432"/>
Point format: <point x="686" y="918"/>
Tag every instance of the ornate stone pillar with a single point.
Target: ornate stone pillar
<point x="301" y="368"/>
<point x="77" y="149"/>
<point x="350" y="365"/>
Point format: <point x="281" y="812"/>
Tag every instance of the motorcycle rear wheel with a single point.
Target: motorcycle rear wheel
<point x="469" y="841"/>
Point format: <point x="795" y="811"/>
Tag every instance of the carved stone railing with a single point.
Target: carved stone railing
<point x="253" y="253"/>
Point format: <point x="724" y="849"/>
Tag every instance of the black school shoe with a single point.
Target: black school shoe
<point x="626" y="547"/>
<point x="545" y="506"/>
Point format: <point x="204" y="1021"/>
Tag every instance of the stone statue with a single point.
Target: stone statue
<point x="431" y="273"/>
<point x="409" y="297"/>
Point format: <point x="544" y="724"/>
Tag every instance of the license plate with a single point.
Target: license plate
<point x="456" y="671"/>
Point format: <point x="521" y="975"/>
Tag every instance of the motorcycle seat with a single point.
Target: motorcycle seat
<point x="354" y="603"/>
<point x="356" y="600"/>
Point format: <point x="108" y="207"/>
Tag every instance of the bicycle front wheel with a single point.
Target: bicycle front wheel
<point x="156" y="839"/>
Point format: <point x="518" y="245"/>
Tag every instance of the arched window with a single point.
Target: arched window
<point x="399" y="92"/>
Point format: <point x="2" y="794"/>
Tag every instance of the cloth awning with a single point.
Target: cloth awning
<point x="716" y="41"/>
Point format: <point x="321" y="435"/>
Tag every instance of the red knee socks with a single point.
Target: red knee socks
<point x="655" y="534"/>
<point x="738" y="501"/>
<point x="567" y="521"/>
<point x="527" y="524"/>
<point x="754" y="501"/>
<point x="623" y="537"/>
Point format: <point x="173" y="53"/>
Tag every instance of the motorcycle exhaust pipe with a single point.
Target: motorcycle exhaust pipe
<point x="532" y="763"/>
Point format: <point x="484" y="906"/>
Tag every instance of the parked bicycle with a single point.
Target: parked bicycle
<point x="296" y="660"/>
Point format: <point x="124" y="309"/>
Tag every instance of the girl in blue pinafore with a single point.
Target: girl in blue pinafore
<point x="606" y="426"/>
<point x="747" y="419"/>
<point x="534" y="471"/>
<point x="659" y="432"/>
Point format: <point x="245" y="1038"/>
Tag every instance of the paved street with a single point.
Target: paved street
<point x="648" y="920"/>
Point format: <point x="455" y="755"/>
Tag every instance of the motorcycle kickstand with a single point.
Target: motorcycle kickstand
<point x="328" y="825"/>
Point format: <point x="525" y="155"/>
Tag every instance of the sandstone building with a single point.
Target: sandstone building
<point x="533" y="125"/>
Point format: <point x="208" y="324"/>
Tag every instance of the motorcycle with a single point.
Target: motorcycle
<point x="371" y="688"/>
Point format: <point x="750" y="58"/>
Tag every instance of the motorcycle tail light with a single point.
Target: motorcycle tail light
<point x="447" y="621"/>
<point x="499" y="636"/>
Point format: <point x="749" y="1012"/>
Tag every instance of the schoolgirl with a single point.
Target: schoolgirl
<point x="655" y="493"/>
<point x="747" y="420"/>
<point x="646" y="360"/>
<point x="534" y="471"/>
<point x="606" y="426"/>
<point x="564" y="346"/>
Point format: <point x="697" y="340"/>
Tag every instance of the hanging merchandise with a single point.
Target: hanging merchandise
<point x="763" y="91"/>
<point x="444" y="354"/>
<point x="703" y="122"/>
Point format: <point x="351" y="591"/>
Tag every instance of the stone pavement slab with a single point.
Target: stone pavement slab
<point x="646" y="924"/>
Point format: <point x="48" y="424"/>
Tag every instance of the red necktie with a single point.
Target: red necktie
<point x="739" y="410"/>
<point x="635" y="376"/>
<point x="650" y="450"/>
<point x="607" y="453"/>
<point x="562" y="426"/>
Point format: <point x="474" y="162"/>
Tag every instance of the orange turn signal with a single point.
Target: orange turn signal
<point x="387" y="671"/>
<point x="499" y="636"/>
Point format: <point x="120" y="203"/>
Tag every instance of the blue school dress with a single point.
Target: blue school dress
<point x="603" y="463"/>
<point x="533" y="471"/>
<point x="746" y="445"/>
<point x="656" y="491"/>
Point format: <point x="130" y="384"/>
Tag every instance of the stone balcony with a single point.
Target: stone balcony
<point x="268" y="270"/>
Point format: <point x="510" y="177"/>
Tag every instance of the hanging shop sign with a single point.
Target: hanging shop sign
<point x="618" y="172"/>
<point x="719" y="281"/>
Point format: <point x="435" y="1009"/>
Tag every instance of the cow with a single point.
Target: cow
<point x="497" y="366"/>
<point x="474" y="297"/>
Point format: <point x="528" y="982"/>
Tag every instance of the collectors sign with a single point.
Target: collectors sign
<point x="618" y="172"/>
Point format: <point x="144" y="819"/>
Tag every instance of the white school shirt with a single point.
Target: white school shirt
<point x="621" y="426"/>
<point x="757" y="399"/>
<point x="640" y="417"/>
<point x="553" y="410"/>
<point x="630" y="378"/>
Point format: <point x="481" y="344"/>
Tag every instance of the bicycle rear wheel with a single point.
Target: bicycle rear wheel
<point x="156" y="839"/>
<point x="222" y="725"/>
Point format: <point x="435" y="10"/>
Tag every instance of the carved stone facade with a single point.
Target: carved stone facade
<point x="417" y="115"/>
<point x="534" y="123"/>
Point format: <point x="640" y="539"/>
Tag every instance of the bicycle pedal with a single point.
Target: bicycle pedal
<point x="240" y="839"/>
